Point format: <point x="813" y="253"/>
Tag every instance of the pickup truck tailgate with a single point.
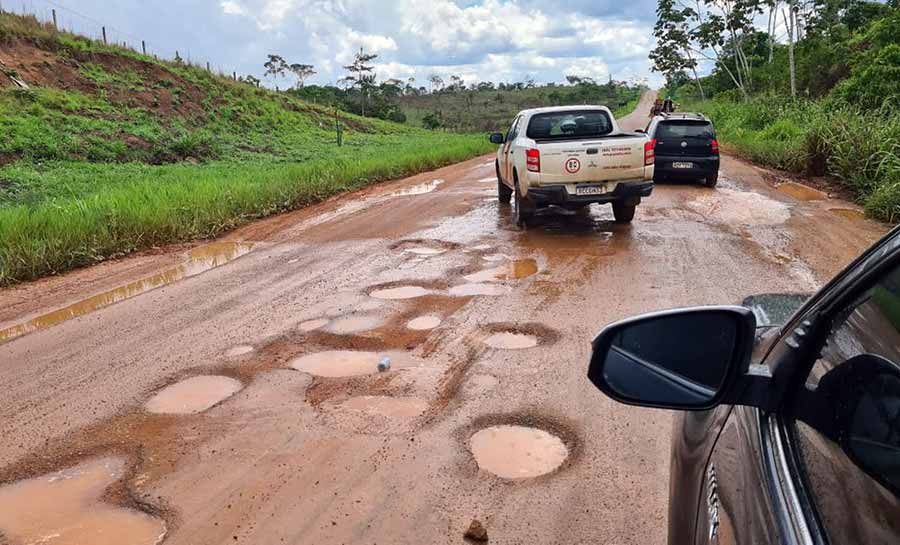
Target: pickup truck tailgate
<point x="602" y="160"/>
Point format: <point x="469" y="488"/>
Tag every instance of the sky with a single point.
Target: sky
<point x="477" y="40"/>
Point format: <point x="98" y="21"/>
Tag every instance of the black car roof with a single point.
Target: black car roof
<point x="684" y="116"/>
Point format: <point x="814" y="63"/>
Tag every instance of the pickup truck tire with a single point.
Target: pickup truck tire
<point x="523" y="209"/>
<point x="504" y="194"/>
<point x="623" y="213"/>
<point x="711" y="180"/>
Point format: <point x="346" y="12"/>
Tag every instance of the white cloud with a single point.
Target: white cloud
<point x="230" y="7"/>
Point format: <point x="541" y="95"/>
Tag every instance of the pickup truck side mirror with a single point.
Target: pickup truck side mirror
<point x="497" y="138"/>
<point x="687" y="359"/>
<point x="641" y="131"/>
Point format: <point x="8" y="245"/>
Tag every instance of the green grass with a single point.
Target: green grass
<point x="138" y="152"/>
<point x="826" y="137"/>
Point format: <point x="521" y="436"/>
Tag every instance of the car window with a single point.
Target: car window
<point x="685" y="129"/>
<point x="849" y="445"/>
<point x="569" y="124"/>
<point x="513" y="129"/>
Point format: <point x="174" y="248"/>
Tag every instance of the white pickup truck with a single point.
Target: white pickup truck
<point x="570" y="157"/>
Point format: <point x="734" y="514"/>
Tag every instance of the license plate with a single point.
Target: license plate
<point x="590" y="189"/>
<point x="682" y="165"/>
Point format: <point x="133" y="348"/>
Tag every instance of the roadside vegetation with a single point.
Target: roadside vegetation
<point x="104" y="151"/>
<point x="822" y="101"/>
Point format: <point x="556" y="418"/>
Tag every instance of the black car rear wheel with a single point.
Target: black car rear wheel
<point x="711" y="180"/>
<point x="504" y="193"/>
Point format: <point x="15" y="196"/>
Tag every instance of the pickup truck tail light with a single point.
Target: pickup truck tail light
<point x="533" y="160"/>
<point x="715" y="146"/>
<point x="650" y="152"/>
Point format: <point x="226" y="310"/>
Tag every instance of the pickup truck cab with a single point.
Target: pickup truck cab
<point x="570" y="157"/>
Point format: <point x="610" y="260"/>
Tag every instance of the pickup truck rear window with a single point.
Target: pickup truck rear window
<point x="569" y="125"/>
<point x="685" y="129"/>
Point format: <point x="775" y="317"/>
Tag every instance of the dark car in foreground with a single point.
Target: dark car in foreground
<point x="790" y="432"/>
<point x="686" y="148"/>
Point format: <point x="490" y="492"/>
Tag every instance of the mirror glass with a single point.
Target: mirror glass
<point x="496" y="138"/>
<point x="678" y="359"/>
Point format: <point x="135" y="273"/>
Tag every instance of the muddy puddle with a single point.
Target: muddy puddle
<point x="425" y="252"/>
<point x="423" y="323"/>
<point x="517" y="452"/>
<point x="849" y="213"/>
<point x="400" y="292"/>
<point x="730" y="206"/>
<point x="312" y="325"/>
<point x="514" y="270"/>
<point x="199" y="260"/>
<point x="65" y="508"/>
<point x="193" y="395"/>
<point x="419" y="189"/>
<point x="337" y="363"/>
<point x="354" y="324"/>
<point x="238" y="351"/>
<point x="394" y="407"/>
<point x="802" y="192"/>
<point x="506" y="340"/>
<point x="473" y="289"/>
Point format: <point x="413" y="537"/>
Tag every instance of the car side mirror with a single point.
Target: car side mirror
<point x="688" y="359"/>
<point x="641" y="131"/>
<point x="497" y="138"/>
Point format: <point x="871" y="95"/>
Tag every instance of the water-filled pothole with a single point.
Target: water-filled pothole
<point x="354" y="324"/>
<point x="312" y="325"/>
<point x="472" y="289"/>
<point x="508" y="340"/>
<point x="65" y="508"/>
<point x="337" y="363"/>
<point x="400" y="292"/>
<point x="193" y="395"/>
<point x="849" y="213"/>
<point x="400" y="407"/>
<point x="238" y="351"/>
<point x="419" y="189"/>
<point x="427" y="252"/>
<point x="517" y="452"/>
<point x="423" y="323"/>
<point x="802" y="192"/>
<point x="514" y="270"/>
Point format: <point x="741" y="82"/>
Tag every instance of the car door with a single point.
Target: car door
<point x="506" y="162"/>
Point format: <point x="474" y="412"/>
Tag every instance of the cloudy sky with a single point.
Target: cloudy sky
<point x="487" y="40"/>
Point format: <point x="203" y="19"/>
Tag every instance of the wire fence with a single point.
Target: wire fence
<point x="67" y="19"/>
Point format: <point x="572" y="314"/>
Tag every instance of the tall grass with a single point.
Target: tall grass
<point x="860" y="149"/>
<point x="180" y="202"/>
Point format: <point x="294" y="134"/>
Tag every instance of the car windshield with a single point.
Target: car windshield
<point x="685" y="129"/>
<point x="569" y="124"/>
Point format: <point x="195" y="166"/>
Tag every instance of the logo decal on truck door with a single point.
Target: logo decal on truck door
<point x="573" y="165"/>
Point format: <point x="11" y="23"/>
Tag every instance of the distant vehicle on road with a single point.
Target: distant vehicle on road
<point x="570" y="157"/>
<point x="686" y="148"/>
<point x="792" y="427"/>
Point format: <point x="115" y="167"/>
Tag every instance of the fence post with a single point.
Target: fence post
<point x="104" y="34"/>
<point x="55" y="27"/>
<point x="207" y="67"/>
<point x="144" y="47"/>
<point x="234" y="76"/>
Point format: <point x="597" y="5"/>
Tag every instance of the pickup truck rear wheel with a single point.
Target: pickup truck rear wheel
<point x="623" y="213"/>
<point x="522" y="209"/>
<point x="504" y="193"/>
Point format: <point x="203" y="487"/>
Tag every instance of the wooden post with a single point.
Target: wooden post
<point x="234" y="76"/>
<point x="143" y="47"/>
<point x="104" y="34"/>
<point x="54" y="20"/>
<point x="207" y="67"/>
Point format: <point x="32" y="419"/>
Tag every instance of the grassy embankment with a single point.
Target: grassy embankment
<point x="859" y="149"/>
<point x="110" y="152"/>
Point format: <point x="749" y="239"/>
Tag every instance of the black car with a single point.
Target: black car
<point x="791" y="432"/>
<point x="686" y="148"/>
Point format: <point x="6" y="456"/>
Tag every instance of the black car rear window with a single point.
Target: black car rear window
<point x="685" y="129"/>
<point x="569" y="124"/>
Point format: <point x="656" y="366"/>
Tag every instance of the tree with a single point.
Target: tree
<point x="361" y="75"/>
<point x="672" y="54"/>
<point x="275" y="66"/>
<point x="254" y="81"/>
<point x="432" y="120"/>
<point x="302" y="71"/>
<point x="437" y="82"/>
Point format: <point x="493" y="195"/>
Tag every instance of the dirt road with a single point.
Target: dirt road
<point x="300" y="454"/>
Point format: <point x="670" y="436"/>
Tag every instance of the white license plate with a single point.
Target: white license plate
<point x="590" y="189"/>
<point x="682" y="165"/>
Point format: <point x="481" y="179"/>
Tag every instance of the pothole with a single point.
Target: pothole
<point x="423" y="323"/>
<point x="354" y="324"/>
<point x="849" y="213"/>
<point x="517" y="452"/>
<point x="65" y="508"/>
<point x="337" y="363"/>
<point x="731" y="206"/>
<point x="472" y="289"/>
<point x="418" y="189"/>
<point x="511" y="341"/>
<point x="193" y="395"/>
<point x="238" y="351"/>
<point x="312" y="325"/>
<point x="514" y="270"/>
<point x="493" y="258"/>
<point x="395" y="407"/>
<point x="400" y="292"/>
<point x="425" y="251"/>
<point x="802" y="192"/>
